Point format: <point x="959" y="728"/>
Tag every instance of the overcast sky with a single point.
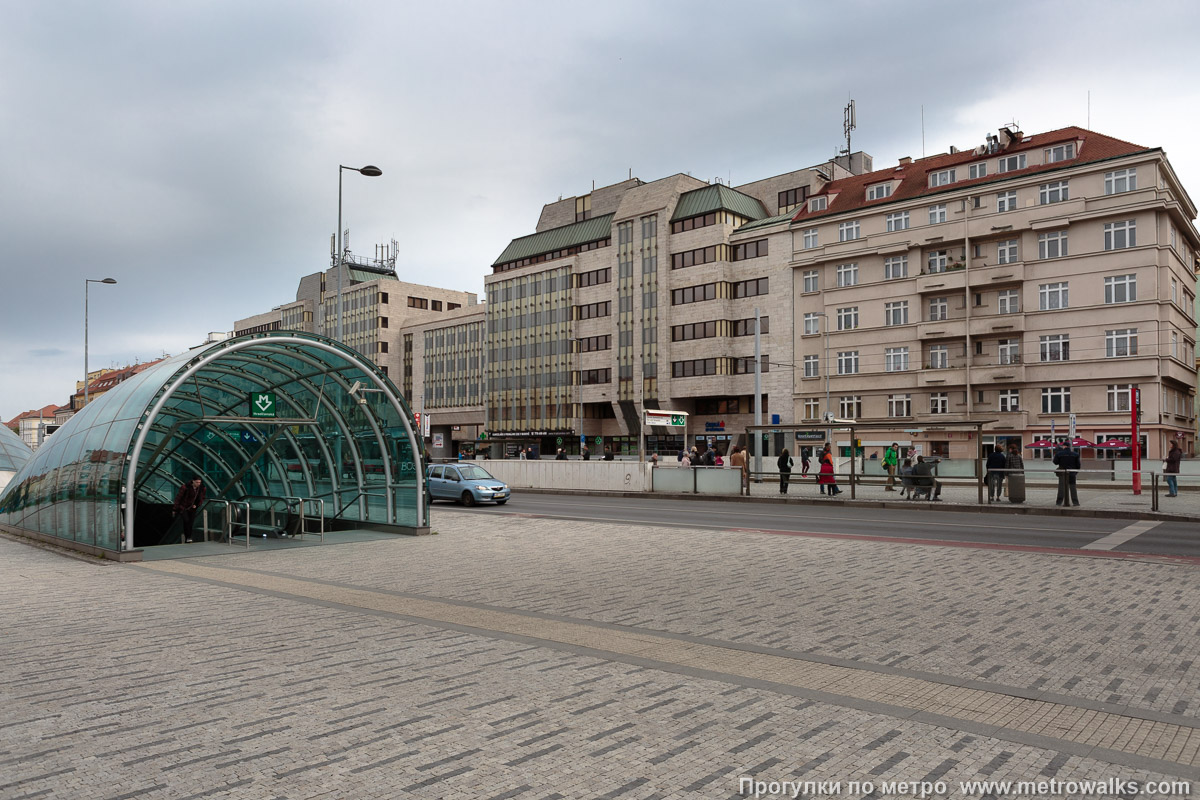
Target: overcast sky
<point x="190" y="149"/>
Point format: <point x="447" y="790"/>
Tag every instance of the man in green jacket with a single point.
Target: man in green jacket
<point x="890" y="457"/>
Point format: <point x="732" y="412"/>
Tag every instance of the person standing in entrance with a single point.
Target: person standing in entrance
<point x="785" y="470"/>
<point x="187" y="504"/>
<point x="891" y="457"/>
<point x="1067" y="462"/>
<point x="1171" y="469"/>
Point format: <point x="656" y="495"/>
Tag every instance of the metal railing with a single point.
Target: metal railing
<point x="204" y="518"/>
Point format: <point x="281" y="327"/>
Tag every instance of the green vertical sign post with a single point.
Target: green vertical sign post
<point x="262" y="405"/>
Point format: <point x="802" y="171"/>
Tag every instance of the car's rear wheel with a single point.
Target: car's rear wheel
<point x="501" y="502"/>
<point x="468" y="499"/>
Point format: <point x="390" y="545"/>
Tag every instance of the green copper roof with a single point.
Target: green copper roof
<point x="768" y="222"/>
<point x="717" y="198"/>
<point x="590" y="230"/>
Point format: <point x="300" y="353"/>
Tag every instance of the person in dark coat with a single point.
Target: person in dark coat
<point x="187" y="505"/>
<point x="562" y="455"/>
<point x="785" y="470"/>
<point x="608" y="454"/>
<point x="996" y="462"/>
<point x="1171" y="469"/>
<point x="585" y="454"/>
<point x="923" y="478"/>
<point x="1067" y="462"/>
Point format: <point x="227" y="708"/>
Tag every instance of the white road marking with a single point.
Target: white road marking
<point x="1113" y="540"/>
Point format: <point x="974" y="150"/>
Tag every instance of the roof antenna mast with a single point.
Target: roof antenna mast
<point x="848" y="124"/>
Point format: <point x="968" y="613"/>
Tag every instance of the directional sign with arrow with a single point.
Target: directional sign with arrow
<point x="262" y="405"/>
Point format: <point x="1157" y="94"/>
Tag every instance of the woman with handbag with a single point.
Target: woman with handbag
<point x="785" y="470"/>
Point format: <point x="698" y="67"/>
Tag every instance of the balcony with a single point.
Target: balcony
<point x="998" y="373"/>
<point x="993" y="324"/>
<point x="942" y="329"/>
<point x="952" y="280"/>
<point x="954" y="375"/>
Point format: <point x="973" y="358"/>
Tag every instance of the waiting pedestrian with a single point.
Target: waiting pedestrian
<point x="906" y="478"/>
<point x="737" y="460"/>
<point x="608" y="454"/>
<point x="1067" y="462"/>
<point x="1014" y="466"/>
<point x="521" y="454"/>
<point x="686" y="461"/>
<point x="785" y="470"/>
<point x="804" y="461"/>
<point x="890" y="457"/>
<point x="1171" y="469"/>
<point x="584" y="453"/>
<point x="827" y="479"/>
<point x="654" y="459"/>
<point x="923" y="479"/>
<point x="562" y="455"/>
<point x="996" y="463"/>
<point x="187" y="504"/>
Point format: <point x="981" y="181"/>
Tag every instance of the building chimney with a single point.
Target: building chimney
<point x="904" y="162"/>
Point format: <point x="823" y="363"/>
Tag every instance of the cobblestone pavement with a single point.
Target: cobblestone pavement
<point x="440" y="667"/>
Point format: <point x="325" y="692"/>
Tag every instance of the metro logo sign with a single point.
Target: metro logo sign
<point x="670" y="419"/>
<point x="262" y="405"/>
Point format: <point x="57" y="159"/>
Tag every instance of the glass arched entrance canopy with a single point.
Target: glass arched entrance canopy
<point x="267" y="415"/>
<point x="13" y="451"/>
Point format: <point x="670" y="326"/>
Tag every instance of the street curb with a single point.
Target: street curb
<point x="994" y="508"/>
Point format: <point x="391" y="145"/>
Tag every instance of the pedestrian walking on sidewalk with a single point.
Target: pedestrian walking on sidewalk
<point x="1171" y="469"/>
<point x="891" y="457"/>
<point x="996" y="462"/>
<point x="187" y="504"/>
<point x="804" y="462"/>
<point x="785" y="470"/>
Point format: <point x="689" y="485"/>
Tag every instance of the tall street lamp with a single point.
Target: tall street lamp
<point x="85" y="330"/>
<point x="371" y="172"/>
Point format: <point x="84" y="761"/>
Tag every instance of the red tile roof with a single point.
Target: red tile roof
<point x="107" y="380"/>
<point x="37" y="413"/>
<point x="914" y="178"/>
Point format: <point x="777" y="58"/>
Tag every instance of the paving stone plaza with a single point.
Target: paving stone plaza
<point x="526" y="658"/>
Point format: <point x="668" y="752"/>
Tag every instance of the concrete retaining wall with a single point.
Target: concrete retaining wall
<point x="608" y="476"/>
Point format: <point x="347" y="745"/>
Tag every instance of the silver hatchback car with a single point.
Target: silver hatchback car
<point x="465" y="483"/>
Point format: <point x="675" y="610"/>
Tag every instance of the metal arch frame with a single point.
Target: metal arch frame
<point x="227" y="348"/>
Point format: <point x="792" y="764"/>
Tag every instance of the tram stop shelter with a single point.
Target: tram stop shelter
<point x="815" y="434"/>
<point x="292" y="434"/>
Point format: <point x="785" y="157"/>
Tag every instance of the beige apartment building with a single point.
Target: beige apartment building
<point x="1023" y="281"/>
<point x="642" y="295"/>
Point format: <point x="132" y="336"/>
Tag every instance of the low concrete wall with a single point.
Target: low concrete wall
<point x="608" y="476"/>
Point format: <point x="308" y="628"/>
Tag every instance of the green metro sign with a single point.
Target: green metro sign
<point x="262" y="405"/>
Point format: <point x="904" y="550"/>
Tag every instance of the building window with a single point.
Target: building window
<point x="1174" y="290"/>
<point x="1119" y="235"/>
<point x="1062" y="152"/>
<point x="1008" y="351"/>
<point x="847" y="318"/>
<point x="435" y="305"/>
<point x="939" y="403"/>
<point x="1056" y="400"/>
<point x="751" y="288"/>
<point x="383" y="347"/>
<point x="897" y="221"/>
<point x="745" y="366"/>
<point x="899" y="405"/>
<point x="937" y="214"/>
<point x="383" y="322"/>
<point x="937" y="261"/>
<point x="943" y="177"/>
<point x="977" y="170"/>
<point x="1010" y="400"/>
<point x="878" y="191"/>
<point x="812" y="324"/>
<point x="895" y="359"/>
<point x="1006" y="252"/>
<point x="589" y="377"/>
<point x="745" y="327"/>
<point x="818" y="203"/>
<point x="812" y="280"/>
<point x="1119" y="395"/>
<point x="848" y="231"/>
<point x="850" y="407"/>
<point x="694" y="368"/>
<point x="583" y="208"/>
<point x="593" y="278"/>
<point x="755" y="249"/>
<point x="1052" y="296"/>
<point x="590" y="343"/>
<point x="895" y="267"/>
<point x="812" y="366"/>
<point x="418" y="302"/>
<point x="1055" y="192"/>
<point x="1120" y="289"/>
<point x="812" y="408"/>
<point x="700" y="221"/>
<point x="1006" y="201"/>
<point x="693" y="330"/>
<point x="847" y="362"/>
<point x="847" y="274"/>
<point x="1121" y="180"/>
<point x="693" y="294"/>
<point x="939" y="356"/>
<point x="792" y="198"/>
<point x="593" y="310"/>
<point x="939" y="309"/>
<point x="1174" y="344"/>
<point x="895" y="313"/>
<point x="1011" y="163"/>
<point x="1052" y="245"/>
<point x="383" y="298"/>
<point x="1055" y="347"/>
<point x="1120" y="342"/>
<point x="810" y="238"/>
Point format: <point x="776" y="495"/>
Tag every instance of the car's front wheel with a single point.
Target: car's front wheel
<point x="468" y="499"/>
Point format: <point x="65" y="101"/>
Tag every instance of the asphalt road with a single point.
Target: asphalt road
<point x="1088" y="535"/>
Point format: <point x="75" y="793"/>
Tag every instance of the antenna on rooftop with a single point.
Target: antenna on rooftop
<point x="848" y="123"/>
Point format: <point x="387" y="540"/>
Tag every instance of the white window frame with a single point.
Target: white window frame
<point x="847" y="274"/>
<point x="1052" y="393"/>
<point x="1008" y="251"/>
<point x="847" y="362"/>
<point x="939" y="403"/>
<point x="1120" y="181"/>
<point x="1174" y="344"/>
<point x="1120" y="235"/>
<point x="812" y="366"/>
<point x="977" y="170"/>
<point x="1008" y="301"/>
<point x="1006" y="201"/>
<point x="1060" y="152"/>
<point x="898" y="221"/>
<point x="1054" y="347"/>
<point x="812" y="280"/>
<point x="899" y="405"/>
<point x="879" y="191"/>
<point x="939" y="309"/>
<point x="939" y="356"/>
<point x="1010" y="400"/>
<point x="1120" y="396"/>
<point x="1011" y="163"/>
<point x="937" y="261"/>
<point x="937" y="214"/>
<point x="1174" y="290"/>
<point x="810" y="239"/>
<point x="850" y="406"/>
<point x="1054" y="296"/>
<point x="812" y="324"/>
<point x="818" y="203"/>
<point x="895" y="267"/>
<point x="895" y="313"/>
<point x="849" y="231"/>
<point x="1121" y="343"/>
<point x="1053" y="192"/>
<point x="895" y="359"/>
<point x="1052" y="245"/>
<point x="847" y="318"/>
<point x="812" y="408"/>
<point x="1120" y="289"/>
<point x="1008" y="351"/>
<point x="943" y="177"/>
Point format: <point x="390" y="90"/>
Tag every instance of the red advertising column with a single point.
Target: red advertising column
<point x="1135" y="413"/>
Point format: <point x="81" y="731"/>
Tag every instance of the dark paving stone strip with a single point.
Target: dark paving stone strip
<point x="436" y="779"/>
<point x="615" y="746"/>
<point x="200" y="760"/>
<point x="597" y="736"/>
<point x="449" y="759"/>
<point x="153" y="756"/>
<point x="661" y="757"/>
<point x="629" y="787"/>
<point x="252" y="757"/>
<point x="511" y="793"/>
<point x="138" y="792"/>
<point x="252" y="736"/>
<point x="306" y="767"/>
<point x="41" y="777"/>
<point x="384" y="762"/>
<point x="593" y="707"/>
<point x="707" y="779"/>
<point x="746" y="745"/>
<point x="531" y="756"/>
<point x="406" y="722"/>
<point x="225" y="788"/>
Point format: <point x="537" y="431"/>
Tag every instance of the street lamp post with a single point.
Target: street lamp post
<point x="371" y="172"/>
<point x="85" y="330"/>
<point x="828" y="410"/>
